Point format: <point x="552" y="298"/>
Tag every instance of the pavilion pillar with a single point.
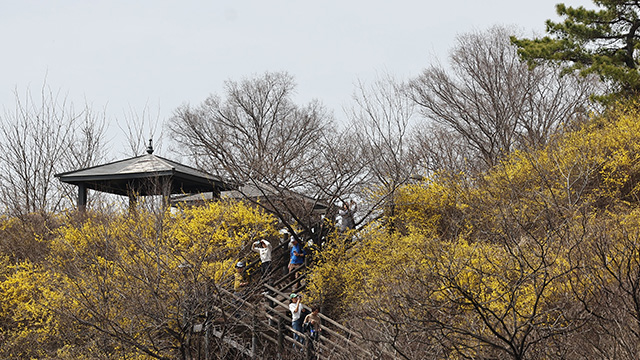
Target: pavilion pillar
<point x="82" y="197"/>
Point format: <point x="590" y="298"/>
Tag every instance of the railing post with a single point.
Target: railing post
<point x="254" y="336"/>
<point x="270" y="311"/>
<point x="206" y="336"/>
<point x="308" y="346"/>
<point x="280" y="334"/>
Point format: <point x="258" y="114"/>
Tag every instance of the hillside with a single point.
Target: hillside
<point x="537" y="258"/>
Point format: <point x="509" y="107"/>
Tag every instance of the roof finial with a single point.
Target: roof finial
<point x="150" y="147"/>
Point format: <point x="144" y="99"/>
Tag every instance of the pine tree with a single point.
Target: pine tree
<point x="604" y="42"/>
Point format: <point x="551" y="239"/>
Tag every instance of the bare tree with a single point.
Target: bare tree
<point x="39" y="139"/>
<point x="436" y="147"/>
<point x="259" y="137"/>
<point x="344" y="168"/>
<point x="255" y="132"/>
<point x="494" y="101"/>
<point x="381" y="119"/>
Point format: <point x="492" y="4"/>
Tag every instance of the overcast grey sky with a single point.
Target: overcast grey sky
<point x="123" y="55"/>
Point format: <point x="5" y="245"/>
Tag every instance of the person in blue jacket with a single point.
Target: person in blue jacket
<point x="296" y="257"/>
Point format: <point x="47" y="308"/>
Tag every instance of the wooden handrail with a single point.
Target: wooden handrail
<point x="271" y="313"/>
<point x="322" y="316"/>
<point x="341" y="338"/>
<point x="324" y="328"/>
<point x="288" y="275"/>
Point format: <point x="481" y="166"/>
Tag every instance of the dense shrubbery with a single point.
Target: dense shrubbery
<point x="125" y="286"/>
<point x="536" y="258"/>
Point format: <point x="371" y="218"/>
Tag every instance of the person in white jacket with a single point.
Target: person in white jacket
<point x="263" y="247"/>
<point x="296" y="316"/>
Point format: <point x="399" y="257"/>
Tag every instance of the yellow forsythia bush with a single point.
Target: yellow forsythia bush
<point x="139" y="278"/>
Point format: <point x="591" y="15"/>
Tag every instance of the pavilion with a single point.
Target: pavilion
<point x="143" y="175"/>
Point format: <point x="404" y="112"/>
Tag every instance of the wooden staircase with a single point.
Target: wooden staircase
<point x="258" y="325"/>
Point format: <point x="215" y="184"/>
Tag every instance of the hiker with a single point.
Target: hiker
<point x="296" y="316"/>
<point x="296" y="258"/>
<point x="263" y="247"/>
<point x="313" y="323"/>
<point x="240" y="280"/>
<point x="346" y="214"/>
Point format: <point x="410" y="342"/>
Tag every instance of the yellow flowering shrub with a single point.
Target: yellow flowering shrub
<point x="217" y="235"/>
<point x="140" y="278"/>
<point x="598" y="163"/>
<point x="30" y="328"/>
<point x="505" y="260"/>
<point x="430" y="205"/>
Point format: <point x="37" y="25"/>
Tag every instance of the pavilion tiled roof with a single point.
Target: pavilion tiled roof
<point x="120" y="176"/>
